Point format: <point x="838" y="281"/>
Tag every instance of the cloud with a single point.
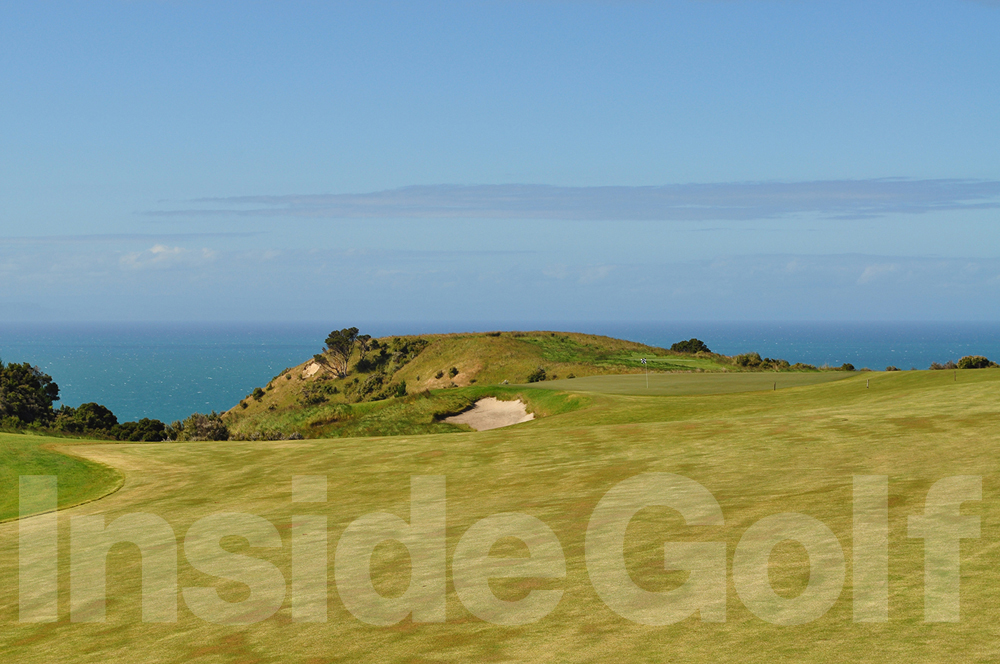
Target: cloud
<point x="838" y="199"/>
<point x="873" y="271"/>
<point x="162" y="256"/>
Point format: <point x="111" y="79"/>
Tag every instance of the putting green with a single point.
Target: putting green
<point x="676" y="384"/>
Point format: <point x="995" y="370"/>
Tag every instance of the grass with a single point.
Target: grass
<point x="759" y="453"/>
<point x="80" y="480"/>
<point x="677" y="384"/>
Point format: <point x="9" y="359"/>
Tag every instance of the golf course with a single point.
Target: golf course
<point x="762" y="444"/>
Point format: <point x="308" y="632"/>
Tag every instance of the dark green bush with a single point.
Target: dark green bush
<point x="453" y="372"/>
<point x="975" y="362"/>
<point x="537" y="376"/>
<point x="691" y="346"/>
<point x="847" y="366"/>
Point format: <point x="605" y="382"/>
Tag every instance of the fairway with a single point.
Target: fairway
<point x="758" y="453"/>
<point x="674" y="384"/>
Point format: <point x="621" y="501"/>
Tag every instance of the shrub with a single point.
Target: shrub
<point x="258" y="393"/>
<point x="691" y="346"/>
<point x="243" y="404"/>
<point x="947" y="365"/>
<point x="891" y="368"/>
<point x="536" y="376"/>
<point x="801" y="366"/>
<point x="439" y="374"/>
<point x="288" y="376"/>
<point x="975" y="362"/>
<point x="571" y="376"/>
<point x="203" y="427"/>
<point x="749" y="360"/>
<point x="847" y="366"/>
<point x="145" y="430"/>
<point x="453" y="372"/>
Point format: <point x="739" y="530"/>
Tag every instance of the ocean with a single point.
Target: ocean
<point x="169" y="370"/>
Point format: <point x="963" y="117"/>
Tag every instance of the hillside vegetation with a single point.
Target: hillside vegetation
<point x="408" y="384"/>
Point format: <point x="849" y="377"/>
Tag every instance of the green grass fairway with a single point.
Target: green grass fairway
<point x="673" y="384"/>
<point x="80" y="480"/>
<point x="758" y="453"/>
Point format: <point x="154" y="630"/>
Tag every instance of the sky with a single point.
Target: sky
<point x="500" y="161"/>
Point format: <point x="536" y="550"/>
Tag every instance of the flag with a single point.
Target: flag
<point x="643" y="360"/>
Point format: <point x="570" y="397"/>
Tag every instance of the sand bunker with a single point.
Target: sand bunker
<point x="491" y="413"/>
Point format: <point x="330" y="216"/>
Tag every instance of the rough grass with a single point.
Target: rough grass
<point x="759" y="453"/>
<point x="415" y="414"/>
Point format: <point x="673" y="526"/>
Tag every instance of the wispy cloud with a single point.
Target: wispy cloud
<point x="161" y="256"/>
<point x="838" y="199"/>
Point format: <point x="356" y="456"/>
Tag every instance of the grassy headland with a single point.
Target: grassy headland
<point x="407" y="384"/>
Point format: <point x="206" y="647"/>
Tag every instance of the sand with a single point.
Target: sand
<point x="491" y="413"/>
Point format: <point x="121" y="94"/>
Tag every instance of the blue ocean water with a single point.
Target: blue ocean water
<point x="168" y="371"/>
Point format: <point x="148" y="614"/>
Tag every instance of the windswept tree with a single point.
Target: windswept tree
<point x="339" y="348"/>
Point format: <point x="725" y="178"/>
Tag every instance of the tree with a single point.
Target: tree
<point x="691" y="346"/>
<point x="340" y="345"/>
<point x="26" y="393"/>
<point x="92" y="417"/>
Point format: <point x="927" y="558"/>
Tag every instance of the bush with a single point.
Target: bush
<point x="145" y="430"/>
<point x="947" y="365"/>
<point x="258" y="393"/>
<point x="453" y="372"/>
<point x="975" y="362"/>
<point x="203" y="427"/>
<point x="749" y="360"/>
<point x="847" y="366"/>
<point x="571" y="376"/>
<point x="439" y="375"/>
<point x="536" y="376"/>
<point x="690" y="346"/>
<point x="891" y="368"/>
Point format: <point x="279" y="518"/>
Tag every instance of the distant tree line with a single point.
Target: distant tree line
<point x="27" y="396"/>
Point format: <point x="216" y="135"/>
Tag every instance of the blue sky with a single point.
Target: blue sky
<point x="500" y="161"/>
